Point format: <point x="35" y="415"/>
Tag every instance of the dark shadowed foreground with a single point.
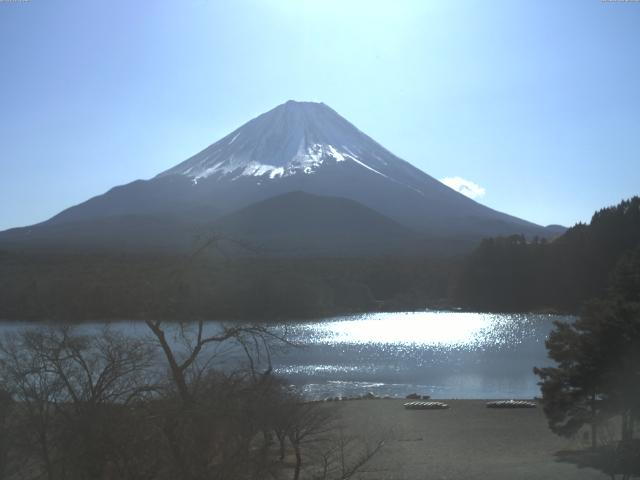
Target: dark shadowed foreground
<point x="84" y="407"/>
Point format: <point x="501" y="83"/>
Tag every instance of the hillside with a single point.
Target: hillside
<point x="514" y="274"/>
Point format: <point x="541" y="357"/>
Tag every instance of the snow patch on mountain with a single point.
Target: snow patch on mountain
<point x="307" y="160"/>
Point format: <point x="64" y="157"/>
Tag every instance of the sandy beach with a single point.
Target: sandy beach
<point x="467" y="441"/>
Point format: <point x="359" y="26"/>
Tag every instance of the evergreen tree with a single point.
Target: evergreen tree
<point x="572" y="392"/>
<point x="598" y="359"/>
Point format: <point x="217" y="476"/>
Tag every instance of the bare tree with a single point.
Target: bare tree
<point x="71" y="391"/>
<point x="217" y="412"/>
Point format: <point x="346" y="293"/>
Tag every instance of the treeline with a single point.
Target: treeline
<point x="209" y="285"/>
<point x="516" y="274"/>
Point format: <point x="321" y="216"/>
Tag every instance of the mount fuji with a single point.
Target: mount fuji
<point x="266" y="182"/>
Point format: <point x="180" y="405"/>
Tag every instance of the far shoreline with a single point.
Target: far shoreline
<point x="283" y="319"/>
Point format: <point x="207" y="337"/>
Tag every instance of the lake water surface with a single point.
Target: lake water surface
<point x="442" y="354"/>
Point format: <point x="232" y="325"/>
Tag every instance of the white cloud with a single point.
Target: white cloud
<point x="465" y="187"/>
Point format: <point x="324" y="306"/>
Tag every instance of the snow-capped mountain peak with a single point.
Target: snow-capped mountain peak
<point x="293" y="138"/>
<point x="296" y="147"/>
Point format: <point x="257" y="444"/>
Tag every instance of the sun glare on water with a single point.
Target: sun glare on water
<point x="442" y="329"/>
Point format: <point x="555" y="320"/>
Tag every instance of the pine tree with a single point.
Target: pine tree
<point x="597" y="357"/>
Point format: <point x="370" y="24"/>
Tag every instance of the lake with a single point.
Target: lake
<point x="440" y="353"/>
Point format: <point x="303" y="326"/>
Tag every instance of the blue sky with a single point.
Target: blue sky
<point x="536" y="102"/>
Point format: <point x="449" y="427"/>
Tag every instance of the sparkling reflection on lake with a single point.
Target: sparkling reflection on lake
<point x="442" y="354"/>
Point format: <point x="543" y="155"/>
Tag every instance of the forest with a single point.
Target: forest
<point x="514" y="274"/>
<point x="505" y="274"/>
<point x="85" y="287"/>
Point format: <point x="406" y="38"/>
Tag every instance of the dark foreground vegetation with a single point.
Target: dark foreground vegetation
<point x="596" y="380"/>
<point x="114" y="407"/>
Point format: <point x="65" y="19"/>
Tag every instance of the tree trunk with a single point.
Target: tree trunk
<point x="296" y="473"/>
<point x="174" y="447"/>
<point x="48" y="466"/>
<point x="281" y="440"/>
<point x="176" y="372"/>
<point x="594" y="426"/>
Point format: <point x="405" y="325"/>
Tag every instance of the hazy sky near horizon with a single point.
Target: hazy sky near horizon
<point x="534" y="103"/>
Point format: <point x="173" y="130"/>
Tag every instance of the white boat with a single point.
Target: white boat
<point x="511" y="404"/>
<point x="425" y="406"/>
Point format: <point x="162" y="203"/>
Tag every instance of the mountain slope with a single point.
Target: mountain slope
<point x="296" y="147"/>
<point x="299" y="223"/>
